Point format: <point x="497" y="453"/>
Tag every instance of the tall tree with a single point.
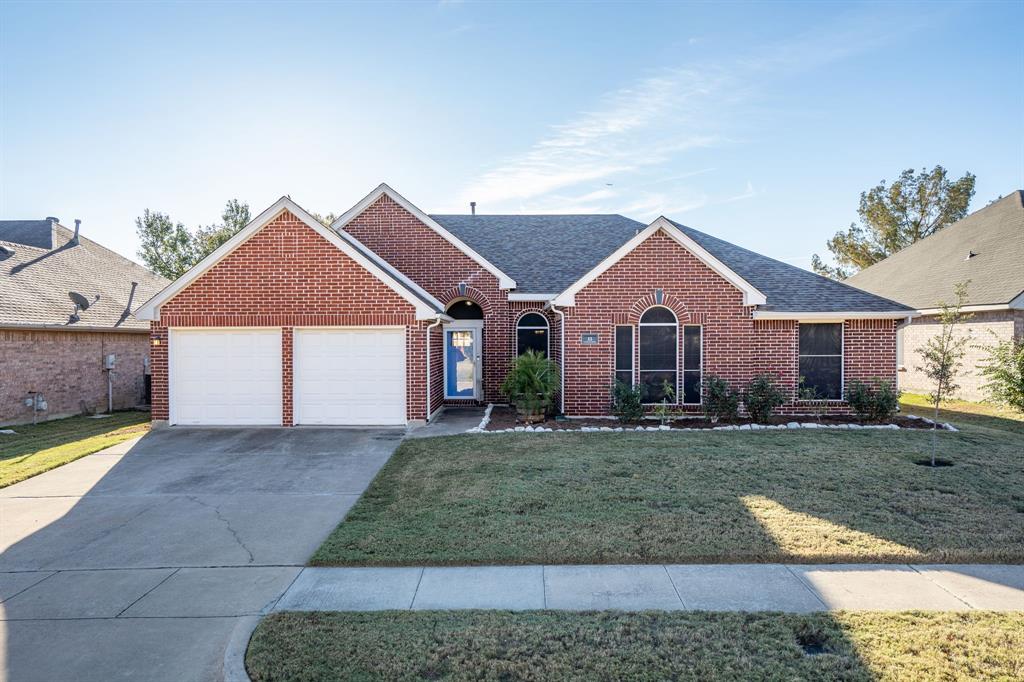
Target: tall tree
<point x="326" y="220"/>
<point x="895" y="216"/>
<point x="166" y="247"/>
<point x="169" y="249"/>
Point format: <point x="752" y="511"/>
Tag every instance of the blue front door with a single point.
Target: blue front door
<point x="461" y="353"/>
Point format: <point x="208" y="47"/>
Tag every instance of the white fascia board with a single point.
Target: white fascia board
<point x="540" y="298"/>
<point x="751" y="295"/>
<point x="1016" y="303"/>
<point x="832" y="317"/>
<point x="504" y="281"/>
<point x="150" y="310"/>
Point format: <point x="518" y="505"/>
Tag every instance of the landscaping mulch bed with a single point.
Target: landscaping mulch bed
<point x="504" y="417"/>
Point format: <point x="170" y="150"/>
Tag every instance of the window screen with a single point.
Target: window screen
<point x="821" y="359"/>
<point x="692" y="340"/>
<point x="659" y="350"/>
<point x="624" y="355"/>
<point x="532" y="334"/>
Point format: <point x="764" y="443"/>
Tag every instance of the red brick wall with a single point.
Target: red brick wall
<point x="435" y="264"/>
<point x="736" y="347"/>
<point x="286" y="275"/>
<point x="67" y="368"/>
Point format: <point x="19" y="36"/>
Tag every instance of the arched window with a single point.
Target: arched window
<point x="532" y="334"/>
<point x="659" y="351"/>
<point x="465" y="310"/>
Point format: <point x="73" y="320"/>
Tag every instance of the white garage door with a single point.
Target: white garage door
<point x="350" y="376"/>
<point x="225" y="377"/>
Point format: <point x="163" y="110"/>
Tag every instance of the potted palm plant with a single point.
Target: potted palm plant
<point x="531" y="386"/>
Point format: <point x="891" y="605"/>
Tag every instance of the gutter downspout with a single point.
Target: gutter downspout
<point x="561" y="357"/>
<point x="436" y="322"/>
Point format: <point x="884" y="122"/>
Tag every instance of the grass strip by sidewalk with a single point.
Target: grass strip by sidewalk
<point x="34" y="449"/>
<point x="473" y="645"/>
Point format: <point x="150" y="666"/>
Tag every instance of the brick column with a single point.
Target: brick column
<point x="160" y="405"/>
<point x="287" y="416"/>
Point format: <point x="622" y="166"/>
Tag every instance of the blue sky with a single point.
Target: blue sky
<point x="759" y="123"/>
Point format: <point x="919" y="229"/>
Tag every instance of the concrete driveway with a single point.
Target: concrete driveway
<point x="138" y="563"/>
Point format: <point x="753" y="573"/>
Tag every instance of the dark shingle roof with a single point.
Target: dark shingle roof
<point x="546" y="254"/>
<point x="40" y="264"/>
<point x="787" y="287"/>
<point x="923" y="274"/>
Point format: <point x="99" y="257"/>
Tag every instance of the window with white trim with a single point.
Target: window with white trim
<point x="659" y="354"/>
<point x="821" y="359"/>
<point x="693" y="362"/>
<point x="532" y="334"/>
<point x="624" y="354"/>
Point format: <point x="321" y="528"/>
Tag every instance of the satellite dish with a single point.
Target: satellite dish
<point x="81" y="302"/>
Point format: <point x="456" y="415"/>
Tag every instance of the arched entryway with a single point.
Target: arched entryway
<point x="462" y="351"/>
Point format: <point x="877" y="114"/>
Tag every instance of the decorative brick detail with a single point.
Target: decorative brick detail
<point x="667" y="301"/>
<point x="67" y="368"/>
<point x="286" y="275"/>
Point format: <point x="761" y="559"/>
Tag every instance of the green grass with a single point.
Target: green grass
<point x="495" y="645"/>
<point x="787" y="496"/>
<point x="44" y="446"/>
<point x="962" y="412"/>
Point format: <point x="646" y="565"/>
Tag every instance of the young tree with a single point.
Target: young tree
<point x="166" y="247"/>
<point x="942" y="355"/>
<point x="894" y="217"/>
<point x="169" y="249"/>
<point x="1004" y="369"/>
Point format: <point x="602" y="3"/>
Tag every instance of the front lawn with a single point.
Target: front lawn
<point x="962" y="412"/>
<point x="781" y="496"/>
<point x="46" y="445"/>
<point x="473" y="645"/>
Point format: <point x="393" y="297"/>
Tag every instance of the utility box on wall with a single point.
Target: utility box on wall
<point x="109" y="360"/>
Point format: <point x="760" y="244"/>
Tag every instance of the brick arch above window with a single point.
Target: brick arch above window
<point x="669" y="301"/>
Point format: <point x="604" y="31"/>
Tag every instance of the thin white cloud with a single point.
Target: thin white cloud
<point x="639" y="134"/>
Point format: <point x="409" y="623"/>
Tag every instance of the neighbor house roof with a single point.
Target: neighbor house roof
<point x="986" y="248"/>
<point x="546" y="254"/>
<point x="41" y="263"/>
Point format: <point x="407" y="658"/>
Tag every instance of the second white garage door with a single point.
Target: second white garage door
<point x="349" y="376"/>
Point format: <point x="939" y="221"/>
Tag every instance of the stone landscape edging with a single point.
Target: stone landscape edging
<point x="482" y="427"/>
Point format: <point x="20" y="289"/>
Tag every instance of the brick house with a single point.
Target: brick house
<point x="985" y="250"/>
<point x="53" y="347"/>
<point x="390" y="315"/>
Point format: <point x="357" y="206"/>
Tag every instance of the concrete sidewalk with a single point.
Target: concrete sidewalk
<point x="711" y="587"/>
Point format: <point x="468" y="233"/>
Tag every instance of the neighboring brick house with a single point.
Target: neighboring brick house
<point x="52" y="347"/>
<point x="390" y="315"/>
<point x="985" y="250"/>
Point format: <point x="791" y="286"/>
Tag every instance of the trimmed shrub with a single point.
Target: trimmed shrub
<point x="627" y="403"/>
<point x="762" y="397"/>
<point x="721" y="401"/>
<point x="877" y="402"/>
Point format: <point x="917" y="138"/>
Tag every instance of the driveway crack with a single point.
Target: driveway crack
<point x="227" y="524"/>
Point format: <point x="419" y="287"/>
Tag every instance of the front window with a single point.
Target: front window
<point x="692" y="364"/>
<point x="659" y="349"/>
<point x="532" y="334"/>
<point x="624" y="354"/>
<point x="821" y="359"/>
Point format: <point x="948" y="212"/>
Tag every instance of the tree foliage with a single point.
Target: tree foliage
<point x="892" y="217"/>
<point x="169" y="249"/>
<point x="1004" y="371"/>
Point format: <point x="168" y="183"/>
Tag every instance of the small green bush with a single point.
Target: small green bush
<point x="531" y="384"/>
<point x="627" y="403"/>
<point x="721" y="401"/>
<point x="877" y="401"/>
<point x="1004" y="371"/>
<point x="762" y="397"/>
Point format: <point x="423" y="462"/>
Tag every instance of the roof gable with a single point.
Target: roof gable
<point x="751" y="295"/>
<point x="427" y="307"/>
<point x="923" y="274"/>
<point x="504" y="281"/>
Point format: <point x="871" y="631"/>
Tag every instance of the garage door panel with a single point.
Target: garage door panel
<point x="350" y="376"/>
<point x="230" y="377"/>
